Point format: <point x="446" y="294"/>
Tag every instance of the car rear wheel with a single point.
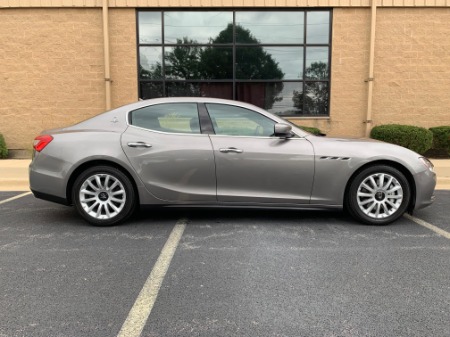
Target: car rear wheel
<point x="378" y="195"/>
<point x="104" y="196"/>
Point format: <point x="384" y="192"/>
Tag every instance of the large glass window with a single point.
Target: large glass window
<point x="277" y="60"/>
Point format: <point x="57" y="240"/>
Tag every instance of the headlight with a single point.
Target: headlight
<point x="428" y="164"/>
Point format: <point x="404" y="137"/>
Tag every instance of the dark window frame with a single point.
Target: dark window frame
<point x="234" y="45"/>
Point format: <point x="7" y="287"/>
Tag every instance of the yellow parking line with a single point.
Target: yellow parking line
<point x="14" y="198"/>
<point x="139" y="313"/>
<point x="428" y="225"/>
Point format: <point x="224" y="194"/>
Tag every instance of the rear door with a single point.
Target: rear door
<point x="253" y="166"/>
<point x="166" y="148"/>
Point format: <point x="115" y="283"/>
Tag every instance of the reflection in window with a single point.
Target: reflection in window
<point x="284" y="27"/>
<point x="316" y="98"/>
<point x="317" y="63"/>
<point x="150" y="27"/>
<point x="269" y="63"/>
<point x="261" y="57"/>
<point x="150" y="62"/>
<point x="263" y="94"/>
<point x="151" y="90"/>
<point x="175" y="117"/>
<point x="198" y="26"/>
<point x="318" y="29"/>
<point x="199" y="89"/>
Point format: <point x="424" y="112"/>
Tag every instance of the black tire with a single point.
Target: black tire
<point x="380" y="200"/>
<point x="104" y="196"/>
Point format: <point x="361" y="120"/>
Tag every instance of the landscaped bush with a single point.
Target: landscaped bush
<point x="314" y="131"/>
<point x="441" y="138"/>
<point x="412" y="137"/>
<point x="3" y="149"/>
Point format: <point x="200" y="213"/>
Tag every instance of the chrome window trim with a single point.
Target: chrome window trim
<point x="268" y="115"/>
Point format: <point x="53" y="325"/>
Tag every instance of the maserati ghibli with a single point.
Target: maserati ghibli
<point x="207" y="152"/>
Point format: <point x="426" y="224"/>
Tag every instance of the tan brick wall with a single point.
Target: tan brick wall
<point x="50" y="71"/>
<point x="122" y="37"/>
<point x="52" y="68"/>
<point x="412" y="67"/>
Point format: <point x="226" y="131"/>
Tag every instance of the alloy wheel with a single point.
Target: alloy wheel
<point x="379" y="195"/>
<point x="102" y="196"/>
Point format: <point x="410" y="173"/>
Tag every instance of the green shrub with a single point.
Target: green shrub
<point x="412" y="137"/>
<point x="3" y="148"/>
<point x="314" y="131"/>
<point x="441" y="138"/>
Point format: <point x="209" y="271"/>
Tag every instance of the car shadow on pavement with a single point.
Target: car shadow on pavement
<point x="233" y="215"/>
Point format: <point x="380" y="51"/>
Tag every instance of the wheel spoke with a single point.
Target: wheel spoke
<point x="106" y="182"/>
<point x="95" y="188"/>
<point x="365" y="202"/>
<point x="99" y="211"/>
<point x="114" y="207"/>
<point x="371" y="207"/>
<point x="85" y="191"/>
<point x="98" y="181"/>
<point x="92" y="206"/>
<point x="385" y="187"/>
<point x="390" y="203"/>
<point x="395" y="188"/>
<point x="108" y="213"/>
<point x="120" y="201"/>
<point x="117" y="192"/>
<point x="372" y="180"/>
<point x="367" y="187"/>
<point x="380" y="180"/>
<point x="365" y="195"/>
<point x="377" y="212"/>
<point x="397" y="196"/>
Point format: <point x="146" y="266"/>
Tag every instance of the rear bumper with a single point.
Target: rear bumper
<point x="49" y="197"/>
<point x="47" y="179"/>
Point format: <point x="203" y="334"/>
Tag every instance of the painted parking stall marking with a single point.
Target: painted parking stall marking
<point x="14" y="198"/>
<point x="428" y="225"/>
<point x="139" y="313"/>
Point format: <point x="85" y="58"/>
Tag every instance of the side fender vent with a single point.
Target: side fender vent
<point x="335" y="158"/>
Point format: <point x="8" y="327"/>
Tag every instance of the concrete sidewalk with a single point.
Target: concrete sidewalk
<point x="14" y="174"/>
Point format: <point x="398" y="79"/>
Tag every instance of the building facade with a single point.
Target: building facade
<point x="343" y="66"/>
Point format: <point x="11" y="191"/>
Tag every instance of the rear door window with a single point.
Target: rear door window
<point x="168" y="117"/>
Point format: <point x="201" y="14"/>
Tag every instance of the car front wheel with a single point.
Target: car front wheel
<point x="103" y="196"/>
<point x="378" y="195"/>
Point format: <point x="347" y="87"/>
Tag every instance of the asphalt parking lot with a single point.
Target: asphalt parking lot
<point x="233" y="273"/>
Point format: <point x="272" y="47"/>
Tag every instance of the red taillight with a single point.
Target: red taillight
<point x="40" y="142"/>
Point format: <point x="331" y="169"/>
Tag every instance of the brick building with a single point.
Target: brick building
<point x="340" y="65"/>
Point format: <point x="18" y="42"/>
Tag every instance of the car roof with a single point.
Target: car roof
<point x="147" y="102"/>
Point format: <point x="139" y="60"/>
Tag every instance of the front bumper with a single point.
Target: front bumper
<point x="425" y="185"/>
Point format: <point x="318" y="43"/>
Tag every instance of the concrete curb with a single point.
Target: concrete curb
<point x="14" y="174"/>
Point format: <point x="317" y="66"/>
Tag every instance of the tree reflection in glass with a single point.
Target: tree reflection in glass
<point x="314" y="98"/>
<point x="189" y="61"/>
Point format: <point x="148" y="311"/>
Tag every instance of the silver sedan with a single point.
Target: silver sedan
<point x="212" y="152"/>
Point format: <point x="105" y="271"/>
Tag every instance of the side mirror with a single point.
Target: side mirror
<point x="282" y="130"/>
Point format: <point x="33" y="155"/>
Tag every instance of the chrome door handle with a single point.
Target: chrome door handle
<point x="231" y="149"/>
<point x="139" y="144"/>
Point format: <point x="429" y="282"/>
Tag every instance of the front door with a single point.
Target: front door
<point x="253" y="166"/>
